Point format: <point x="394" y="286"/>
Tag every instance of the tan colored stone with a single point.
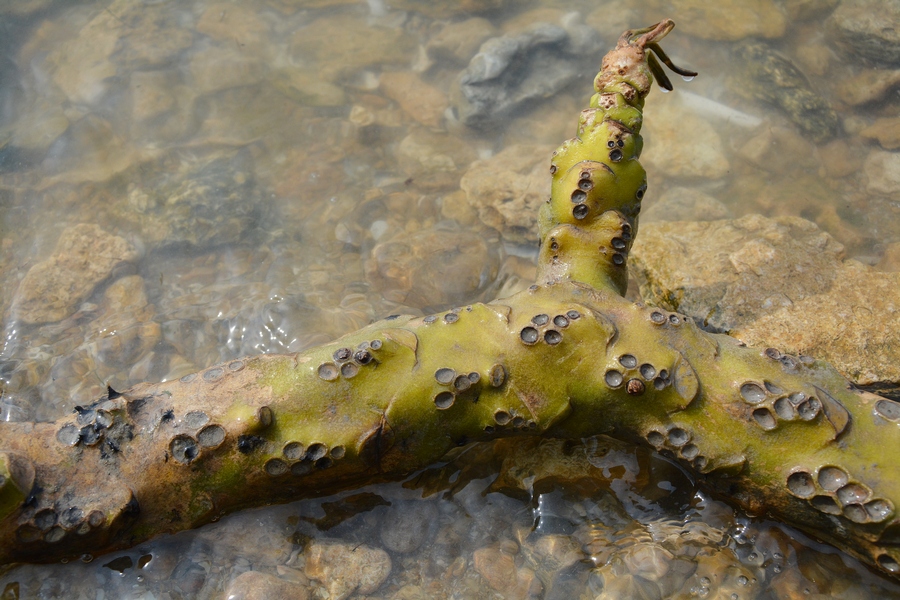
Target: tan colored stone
<point x="685" y="204"/>
<point x="498" y="567"/>
<point x="346" y="44"/>
<point x="434" y="159"/>
<point x="682" y="144"/>
<point x="868" y="85"/>
<point x="254" y="585"/>
<point x="433" y="268"/>
<point x="235" y="23"/>
<point x="772" y="142"/>
<point x="151" y="94"/>
<point x="52" y="289"/>
<point x="347" y="568"/>
<point x="726" y="19"/>
<point x="423" y="102"/>
<point x="890" y="260"/>
<point x="81" y="65"/>
<point x="780" y="283"/>
<point x="458" y="42"/>
<point x="218" y="68"/>
<point x="886" y="131"/>
<point x="882" y="171"/>
<point x="509" y="188"/>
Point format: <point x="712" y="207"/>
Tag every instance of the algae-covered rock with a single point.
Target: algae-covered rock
<point x="772" y="78"/>
<point x="781" y="283"/>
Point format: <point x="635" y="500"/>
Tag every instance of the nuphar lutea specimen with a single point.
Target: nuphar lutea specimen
<point x="569" y="357"/>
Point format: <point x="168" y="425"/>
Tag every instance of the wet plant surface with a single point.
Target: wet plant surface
<point x="185" y="184"/>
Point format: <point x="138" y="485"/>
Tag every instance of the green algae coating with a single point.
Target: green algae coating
<point x="570" y="357"/>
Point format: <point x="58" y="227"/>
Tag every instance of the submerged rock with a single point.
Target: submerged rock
<point x="508" y="189"/>
<point x="254" y="585"/>
<point x="345" y="568"/>
<point x="513" y="71"/>
<point x="780" y="283"/>
<point x="868" y="29"/>
<point x="726" y="20"/>
<point x="772" y="78"/>
<point x="433" y="268"/>
<point x="84" y="257"/>
<point x="201" y="201"/>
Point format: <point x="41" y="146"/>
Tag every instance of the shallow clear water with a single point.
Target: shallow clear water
<point x="266" y="176"/>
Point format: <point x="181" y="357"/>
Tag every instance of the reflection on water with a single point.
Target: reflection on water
<point x="182" y="183"/>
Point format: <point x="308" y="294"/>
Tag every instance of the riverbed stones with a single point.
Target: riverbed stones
<point x="728" y="20"/>
<point x="254" y="585"/>
<point x="433" y="268"/>
<point x="517" y="70"/>
<point x="779" y="283"/>
<point x="85" y="256"/>
<point x="344" y="568"/>
<point x="867" y="29"/>
<point x="508" y="189"/>
<point x="672" y="134"/>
